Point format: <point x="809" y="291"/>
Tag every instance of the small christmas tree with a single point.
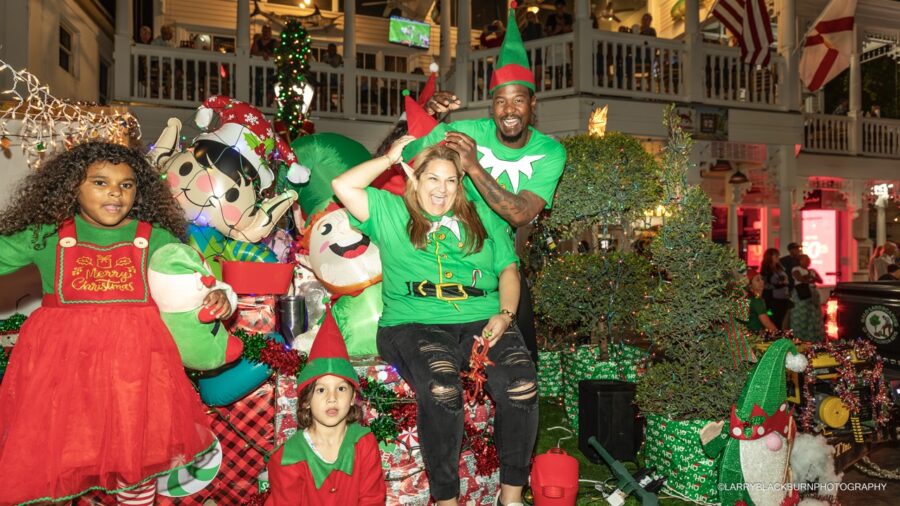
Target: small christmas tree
<point x="695" y="376"/>
<point x="608" y="184"/>
<point x="292" y="63"/>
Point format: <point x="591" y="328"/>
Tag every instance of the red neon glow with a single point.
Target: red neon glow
<point x="831" y="326"/>
<point x="819" y="237"/>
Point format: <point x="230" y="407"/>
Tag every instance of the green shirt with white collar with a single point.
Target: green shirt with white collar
<point x="443" y="261"/>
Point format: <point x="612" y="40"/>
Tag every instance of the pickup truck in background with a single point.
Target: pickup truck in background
<point x="860" y="310"/>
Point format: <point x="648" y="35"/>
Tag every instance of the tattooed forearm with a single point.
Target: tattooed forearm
<point x="517" y="210"/>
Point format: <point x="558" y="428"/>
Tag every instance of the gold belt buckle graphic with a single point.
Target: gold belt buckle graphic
<point x="439" y="291"/>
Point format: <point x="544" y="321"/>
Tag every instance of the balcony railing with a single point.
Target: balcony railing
<point x="877" y="137"/>
<point x="183" y="77"/>
<point x="620" y="64"/>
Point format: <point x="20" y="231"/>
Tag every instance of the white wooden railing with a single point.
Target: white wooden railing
<point x="827" y="134"/>
<point x="634" y="65"/>
<point x="878" y="137"/>
<point x="881" y="137"/>
<point x="179" y="77"/>
<point x="730" y="81"/>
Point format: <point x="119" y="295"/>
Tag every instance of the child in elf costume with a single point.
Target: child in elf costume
<point x="333" y="460"/>
<point x="95" y="396"/>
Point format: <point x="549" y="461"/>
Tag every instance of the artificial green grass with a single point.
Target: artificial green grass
<point x="552" y="414"/>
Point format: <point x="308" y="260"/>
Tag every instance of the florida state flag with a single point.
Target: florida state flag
<point x="828" y="45"/>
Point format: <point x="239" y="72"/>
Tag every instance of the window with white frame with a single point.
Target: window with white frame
<point x="66" y="49"/>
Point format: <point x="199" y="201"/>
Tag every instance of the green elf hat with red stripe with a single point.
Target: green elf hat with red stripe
<point x="512" y="63"/>
<point x="328" y="355"/>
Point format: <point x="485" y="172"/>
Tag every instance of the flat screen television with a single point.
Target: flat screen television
<point x="409" y="33"/>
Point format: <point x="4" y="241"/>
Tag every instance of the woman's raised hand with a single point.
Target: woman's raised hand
<point x="395" y="154"/>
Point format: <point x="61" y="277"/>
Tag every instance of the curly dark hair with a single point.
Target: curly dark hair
<point x="49" y="196"/>
<point x="399" y="129"/>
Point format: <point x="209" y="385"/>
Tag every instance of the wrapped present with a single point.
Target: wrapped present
<point x="673" y="447"/>
<point x="401" y="458"/>
<point x="230" y="471"/>
<point x="550" y="373"/>
<point x="626" y="364"/>
<point x="256" y="314"/>
<point x="245" y="431"/>
<point x="286" y="405"/>
<point x="9" y="330"/>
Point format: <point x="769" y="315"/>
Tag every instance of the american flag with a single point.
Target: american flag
<point x="748" y="21"/>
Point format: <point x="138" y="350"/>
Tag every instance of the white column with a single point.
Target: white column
<point x="787" y="42"/>
<point x="350" y="59"/>
<point x="446" y="46"/>
<point x="122" y="52"/>
<point x="787" y="174"/>
<point x="880" y="228"/>
<point x="694" y="58"/>
<point x="734" y="195"/>
<point x="583" y="77"/>
<point x="242" y="52"/>
<point x="463" y="47"/>
<point x="855" y="112"/>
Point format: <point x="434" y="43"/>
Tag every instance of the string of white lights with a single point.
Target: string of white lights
<point x="49" y="123"/>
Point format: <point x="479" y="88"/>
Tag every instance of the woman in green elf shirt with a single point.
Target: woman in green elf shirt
<point x="450" y="278"/>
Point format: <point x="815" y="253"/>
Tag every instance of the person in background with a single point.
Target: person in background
<point x="806" y="317"/>
<point x="264" y="46"/>
<point x="492" y="35"/>
<point x="759" y="318"/>
<point x="777" y="292"/>
<point x="878" y="266"/>
<point x="532" y="30"/>
<point x="892" y="274"/>
<point x="331" y="56"/>
<point x="558" y="22"/>
<point x="146" y="35"/>
<point x="645" y="28"/>
<point x="166" y="37"/>
<point x="842" y="108"/>
<point x="791" y="260"/>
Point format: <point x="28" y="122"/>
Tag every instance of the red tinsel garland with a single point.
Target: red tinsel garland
<point x="848" y="379"/>
<point x="483" y="448"/>
<point x="279" y="357"/>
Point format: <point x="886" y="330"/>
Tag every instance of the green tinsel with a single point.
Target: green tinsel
<point x="12" y="324"/>
<point x="384" y="428"/>
<point x="253" y="344"/>
<point x="4" y="359"/>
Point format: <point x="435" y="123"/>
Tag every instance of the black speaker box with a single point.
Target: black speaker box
<point x="606" y="410"/>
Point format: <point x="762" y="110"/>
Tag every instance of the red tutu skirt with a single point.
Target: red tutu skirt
<point x="94" y="396"/>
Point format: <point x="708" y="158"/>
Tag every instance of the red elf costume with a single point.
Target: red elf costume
<point x="298" y="474"/>
<point x="95" y="395"/>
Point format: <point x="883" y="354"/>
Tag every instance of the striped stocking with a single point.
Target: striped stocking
<point x="142" y="495"/>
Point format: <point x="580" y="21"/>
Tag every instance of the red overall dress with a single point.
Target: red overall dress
<point x="95" y="393"/>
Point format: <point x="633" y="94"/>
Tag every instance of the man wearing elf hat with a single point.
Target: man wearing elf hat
<point x="755" y="444"/>
<point x="510" y="165"/>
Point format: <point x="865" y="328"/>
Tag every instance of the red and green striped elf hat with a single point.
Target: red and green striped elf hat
<point x="512" y="63"/>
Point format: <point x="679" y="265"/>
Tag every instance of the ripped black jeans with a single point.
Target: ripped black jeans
<point x="429" y="357"/>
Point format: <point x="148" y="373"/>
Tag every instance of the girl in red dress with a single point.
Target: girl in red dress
<point x="332" y="460"/>
<point x="95" y="396"/>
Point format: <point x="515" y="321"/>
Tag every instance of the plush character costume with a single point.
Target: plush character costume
<point x="298" y="474"/>
<point x="755" y="442"/>
<point x="95" y="394"/>
<point x="179" y="280"/>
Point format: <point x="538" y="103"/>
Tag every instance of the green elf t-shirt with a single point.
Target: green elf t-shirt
<point x="535" y="167"/>
<point x="443" y="261"/>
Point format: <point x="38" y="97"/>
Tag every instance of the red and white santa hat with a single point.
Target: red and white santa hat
<point x="427" y="90"/>
<point x="246" y="129"/>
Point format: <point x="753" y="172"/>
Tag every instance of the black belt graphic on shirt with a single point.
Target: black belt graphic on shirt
<point x="443" y="291"/>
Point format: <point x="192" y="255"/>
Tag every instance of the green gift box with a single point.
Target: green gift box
<point x="673" y="447"/>
<point x="549" y="373"/>
<point x="583" y="363"/>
